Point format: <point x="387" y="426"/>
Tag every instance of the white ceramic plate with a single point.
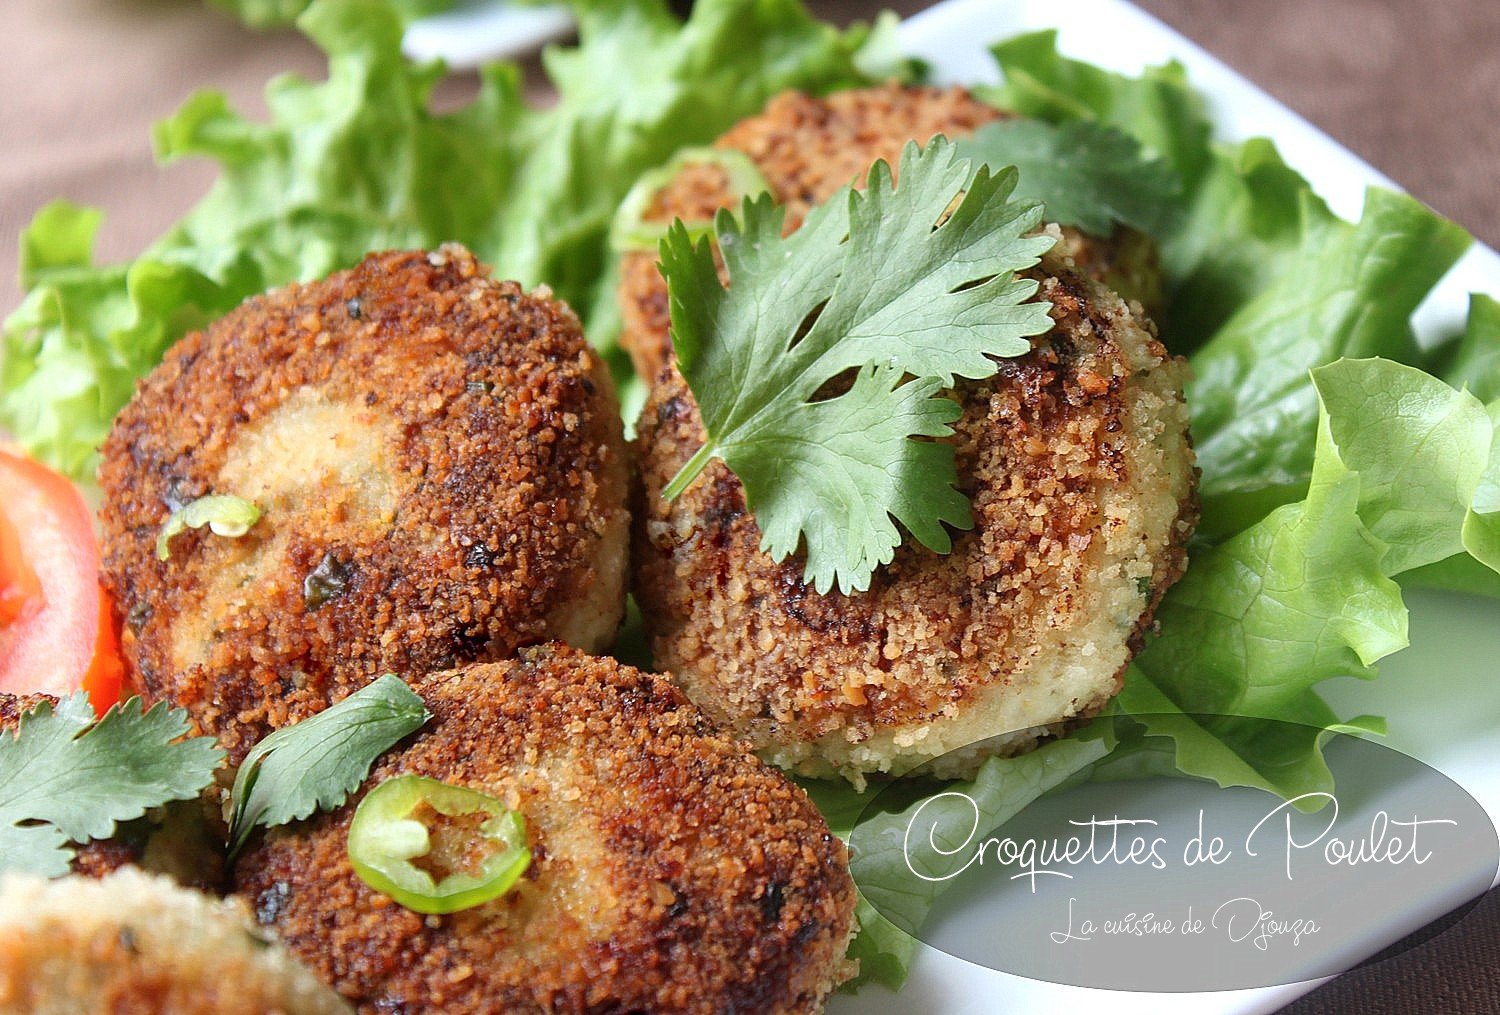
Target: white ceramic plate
<point x="1441" y="696"/>
<point x="476" y="31"/>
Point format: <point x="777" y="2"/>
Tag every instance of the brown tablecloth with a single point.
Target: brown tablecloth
<point x="1412" y="87"/>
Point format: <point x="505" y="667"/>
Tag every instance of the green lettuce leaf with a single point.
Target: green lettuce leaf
<point x="1401" y="479"/>
<point x="1242" y="208"/>
<point x="1158" y="108"/>
<point x="280" y="13"/>
<point x="619" y="114"/>
<point x="1252" y="627"/>
<point x="83" y="335"/>
<point x="1474" y="361"/>
<point x="1350" y="291"/>
<point x="360" y="163"/>
<point x="882" y="949"/>
<point x="342" y="167"/>
<point x="1425" y="457"/>
<point x="1248" y="220"/>
<point x="1243" y="224"/>
<point x="875" y="820"/>
<point x="1458" y="573"/>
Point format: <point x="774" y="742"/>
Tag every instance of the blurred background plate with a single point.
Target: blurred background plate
<point x="475" y="32"/>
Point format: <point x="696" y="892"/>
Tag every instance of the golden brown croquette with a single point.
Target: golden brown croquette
<point x="672" y="871"/>
<point x="1076" y="458"/>
<point x="136" y="944"/>
<point x="438" y="459"/>
<point x="807" y="148"/>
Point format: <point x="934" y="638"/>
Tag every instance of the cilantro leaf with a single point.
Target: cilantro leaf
<point x="856" y="452"/>
<point x="316" y="763"/>
<point x="1087" y="174"/>
<point x="880" y="282"/>
<point x="66" y="778"/>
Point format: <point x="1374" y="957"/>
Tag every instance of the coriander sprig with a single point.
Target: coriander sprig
<point x="908" y="286"/>
<point x="65" y="777"/>
<point x="1089" y="175"/>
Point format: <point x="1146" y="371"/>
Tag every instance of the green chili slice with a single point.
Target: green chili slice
<point x="399" y="839"/>
<point x="631" y="231"/>
<point x="225" y="515"/>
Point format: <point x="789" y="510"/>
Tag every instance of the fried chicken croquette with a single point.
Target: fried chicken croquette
<point x="439" y="464"/>
<point x="136" y="944"/>
<point x="806" y="148"/>
<point x="1076" y="459"/>
<point x="671" y="870"/>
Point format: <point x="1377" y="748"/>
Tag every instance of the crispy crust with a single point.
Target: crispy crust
<point x="13" y="706"/>
<point x="807" y="148"/>
<point x="135" y="944"/>
<point x="672" y="871"/>
<point x="1077" y="462"/>
<point x="1076" y="458"/>
<point x="446" y="446"/>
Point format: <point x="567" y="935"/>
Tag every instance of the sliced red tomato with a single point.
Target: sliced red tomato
<point x="56" y="625"/>
<point x="18" y="582"/>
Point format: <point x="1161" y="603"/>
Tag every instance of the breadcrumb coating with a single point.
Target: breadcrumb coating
<point x="672" y="871"/>
<point x="13" y="706"/>
<point x="1076" y="459"/>
<point x="136" y="944"/>
<point x="441" y="471"/>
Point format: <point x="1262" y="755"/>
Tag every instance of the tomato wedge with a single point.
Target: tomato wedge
<point x="57" y="630"/>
